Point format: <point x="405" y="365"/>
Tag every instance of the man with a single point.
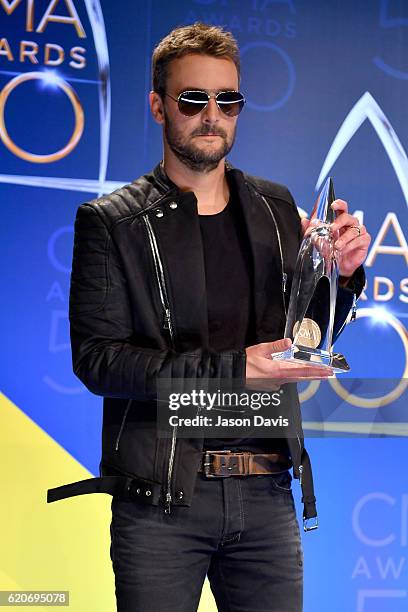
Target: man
<point x="185" y="273"/>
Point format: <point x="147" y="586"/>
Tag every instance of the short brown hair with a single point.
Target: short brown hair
<point x="197" y="38"/>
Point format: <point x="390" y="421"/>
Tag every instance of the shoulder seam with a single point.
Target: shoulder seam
<point x="252" y="180"/>
<point x="95" y="206"/>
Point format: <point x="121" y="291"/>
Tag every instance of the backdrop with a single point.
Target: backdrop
<point x="327" y="89"/>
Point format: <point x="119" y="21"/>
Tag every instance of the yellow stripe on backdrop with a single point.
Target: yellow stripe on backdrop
<point x="60" y="546"/>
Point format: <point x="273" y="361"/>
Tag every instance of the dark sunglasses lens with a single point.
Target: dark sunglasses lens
<point x="191" y="103"/>
<point x="231" y="102"/>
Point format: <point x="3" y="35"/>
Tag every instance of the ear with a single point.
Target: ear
<point x="156" y="107"/>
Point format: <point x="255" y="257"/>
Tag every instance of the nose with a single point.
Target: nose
<point x="211" y="113"/>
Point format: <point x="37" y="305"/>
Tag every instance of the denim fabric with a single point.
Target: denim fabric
<point x="241" y="531"/>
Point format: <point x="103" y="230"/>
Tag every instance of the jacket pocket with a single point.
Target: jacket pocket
<point x="122" y="425"/>
<point x="158" y="460"/>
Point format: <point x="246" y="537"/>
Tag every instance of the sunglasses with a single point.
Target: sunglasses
<point x="191" y="103"/>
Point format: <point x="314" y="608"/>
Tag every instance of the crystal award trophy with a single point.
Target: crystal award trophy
<point x="312" y="303"/>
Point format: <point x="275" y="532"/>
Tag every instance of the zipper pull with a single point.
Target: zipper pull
<point x="354" y="308"/>
<point x="166" y="322"/>
<point x="168" y="503"/>
<point x="284" y="279"/>
<point x="300" y="474"/>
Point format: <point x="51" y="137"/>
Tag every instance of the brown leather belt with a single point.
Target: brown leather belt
<point x="223" y="463"/>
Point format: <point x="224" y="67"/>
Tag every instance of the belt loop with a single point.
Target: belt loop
<point x="250" y="462"/>
<point x="207" y="463"/>
<point x="246" y="463"/>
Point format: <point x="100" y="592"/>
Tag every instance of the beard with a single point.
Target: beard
<point x="192" y="156"/>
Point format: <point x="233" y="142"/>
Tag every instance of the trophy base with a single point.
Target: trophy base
<point x="309" y="356"/>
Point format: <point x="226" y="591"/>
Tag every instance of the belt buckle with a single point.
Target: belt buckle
<point x="207" y="464"/>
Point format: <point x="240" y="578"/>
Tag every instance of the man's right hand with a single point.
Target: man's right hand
<point x="261" y="365"/>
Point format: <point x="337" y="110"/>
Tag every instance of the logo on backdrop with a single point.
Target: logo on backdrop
<point x="264" y="28"/>
<point x="383" y="289"/>
<point x="380" y="525"/>
<point x="57" y="45"/>
<point x="53" y="63"/>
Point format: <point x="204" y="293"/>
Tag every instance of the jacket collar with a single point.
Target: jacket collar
<point x="162" y="179"/>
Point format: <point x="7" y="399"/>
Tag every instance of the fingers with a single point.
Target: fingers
<point x="358" y="243"/>
<point x="278" y="346"/>
<point x="353" y="234"/>
<point x="273" y="384"/>
<point x="343" y="217"/>
<point x="293" y="372"/>
<point x="261" y="365"/>
<point x="344" y="221"/>
<point x="340" y="206"/>
<point x="345" y="228"/>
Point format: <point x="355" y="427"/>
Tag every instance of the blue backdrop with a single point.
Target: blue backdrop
<point x="327" y="90"/>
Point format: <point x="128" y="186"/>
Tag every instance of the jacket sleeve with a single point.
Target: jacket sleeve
<point x="346" y="298"/>
<point x="104" y="354"/>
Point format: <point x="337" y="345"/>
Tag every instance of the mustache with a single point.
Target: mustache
<point x="208" y="129"/>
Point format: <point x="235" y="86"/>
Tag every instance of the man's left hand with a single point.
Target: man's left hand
<point x="352" y="242"/>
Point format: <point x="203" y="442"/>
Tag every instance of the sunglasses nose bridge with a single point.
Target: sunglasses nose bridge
<point x="211" y="111"/>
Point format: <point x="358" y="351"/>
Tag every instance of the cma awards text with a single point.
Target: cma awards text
<point x="50" y="53"/>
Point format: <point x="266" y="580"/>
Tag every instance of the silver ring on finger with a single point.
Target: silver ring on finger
<point x="358" y="228"/>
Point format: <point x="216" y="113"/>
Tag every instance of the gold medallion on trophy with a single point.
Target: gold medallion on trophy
<point x="308" y="334"/>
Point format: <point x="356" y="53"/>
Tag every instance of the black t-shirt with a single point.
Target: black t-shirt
<point x="228" y="271"/>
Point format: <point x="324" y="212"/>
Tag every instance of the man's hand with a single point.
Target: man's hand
<point x="352" y="242"/>
<point x="260" y="365"/>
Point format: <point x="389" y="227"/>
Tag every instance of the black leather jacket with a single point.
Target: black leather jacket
<point x="138" y="312"/>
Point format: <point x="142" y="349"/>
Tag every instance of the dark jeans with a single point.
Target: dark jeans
<point x="241" y="531"/>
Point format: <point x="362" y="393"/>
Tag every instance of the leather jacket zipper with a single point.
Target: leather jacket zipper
<point x="158" y="267"/>
<point x="300" y="465"/>
<point x="122" y="425"/>
<point x="284" y="275"/>
<point x="168" y="325"/>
